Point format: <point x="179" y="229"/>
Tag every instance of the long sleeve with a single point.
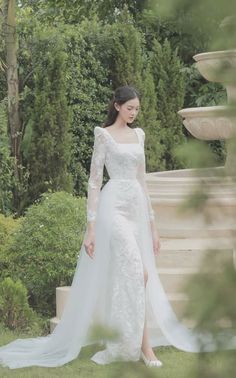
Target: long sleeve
<point x="96" y="174"/>
<point x="141" y="176"/>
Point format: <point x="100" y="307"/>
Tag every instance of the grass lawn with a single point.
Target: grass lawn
<point x="177" y="364"/>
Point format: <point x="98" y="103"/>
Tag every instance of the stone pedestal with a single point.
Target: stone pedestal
<point x="61" y="298"/>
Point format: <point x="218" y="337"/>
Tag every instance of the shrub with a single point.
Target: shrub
<point x="45" y="248"/>
<point x="15" y="312"/>
<point x="8" y="227"/>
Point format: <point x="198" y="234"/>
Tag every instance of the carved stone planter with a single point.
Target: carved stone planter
<point x="210" y="123"/>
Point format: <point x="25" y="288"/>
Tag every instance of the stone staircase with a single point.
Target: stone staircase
<point x="184" y="236"/>
<point x="178" y="260"/>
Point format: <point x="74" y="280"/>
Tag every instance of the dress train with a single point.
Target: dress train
<point x="109" y="290"/>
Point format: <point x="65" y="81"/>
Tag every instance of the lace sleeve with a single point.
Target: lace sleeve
<point x="141" y="176"/>
<point x="96" y="174"/>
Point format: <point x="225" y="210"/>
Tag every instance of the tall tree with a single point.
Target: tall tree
<point x="125" y="44"/>
<point x="14" y="121"/>
<point x="147" y="119"/>
<point x="88" y="91"/>
<point x="170" y="90"/>
<point x="49" y="150"/>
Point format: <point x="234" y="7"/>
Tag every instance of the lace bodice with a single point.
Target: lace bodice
<point x="122" y="161"/>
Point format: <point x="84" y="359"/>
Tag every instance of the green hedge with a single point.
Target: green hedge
<point x="43" y="253"/>
<point x="15" y="312"/>
<point x="8" y="226"/>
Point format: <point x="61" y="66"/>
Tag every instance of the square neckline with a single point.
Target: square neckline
<point x="136" y="143"/>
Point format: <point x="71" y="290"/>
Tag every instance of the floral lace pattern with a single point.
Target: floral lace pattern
<point x="122" y="161"/>
<point x="125" y="164"/>
<point x="96" y="174"/>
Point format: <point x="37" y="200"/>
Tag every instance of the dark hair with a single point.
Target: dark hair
<point x="120" y="96"/>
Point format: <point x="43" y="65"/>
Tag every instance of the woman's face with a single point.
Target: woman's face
<point x="129" y="110"/>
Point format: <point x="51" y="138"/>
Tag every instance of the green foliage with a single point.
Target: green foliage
<point x="199" y="92"/>
<point x="148" y="121"/>
<point x="49" y="151"/>
<point x="156" y="25"/>
<point x="211" y="305"/>
<point x="88" y="93"/>
<point x="125" y="51"/>
<point x="56" y="11"/>
<point x="99" y="59"/>
<point x="8" y="226"/>
<point x="43" y="253"/>
<point x="170" y="90"/>
<point x="216" y="305"/>
<point x="213" y="18"/>
<point x="71" y="56"/>
<point x="15" y="312"/>
<point x="212" y="289"/>
<point x="196" y="154"/>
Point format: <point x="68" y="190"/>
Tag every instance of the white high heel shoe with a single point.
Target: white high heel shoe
<point x="151" y="363"/>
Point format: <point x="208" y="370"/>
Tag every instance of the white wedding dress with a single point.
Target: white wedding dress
<point x="109" y="289"/>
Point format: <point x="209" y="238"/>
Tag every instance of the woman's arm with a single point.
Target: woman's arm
<point x="141" y="176"/>
<point x="95" y="177"/>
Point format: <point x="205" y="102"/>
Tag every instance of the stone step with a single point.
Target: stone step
<point x="177" y="301"/>
<point x="174" y="279"/>
<point x="178" y="260"/>
<point x="188" y="253"/>
<point x="181" y="258"/>
<point x="177" y="271"/>
<point x="194" y="244"/>
<point x="164" y="196"/>
<point x="172" y="200"/>
<point x="182" y="184"/>
<point x="168" y="231"/>
<point x="53" y="323"/>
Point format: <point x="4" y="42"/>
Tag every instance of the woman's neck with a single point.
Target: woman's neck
<point x="120" y="124"/>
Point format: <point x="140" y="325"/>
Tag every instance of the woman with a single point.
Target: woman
<point x="116" y="283"/>
<point x="127" y="178"/>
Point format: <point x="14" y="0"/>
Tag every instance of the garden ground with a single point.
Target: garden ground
<point x="177" y="364"/>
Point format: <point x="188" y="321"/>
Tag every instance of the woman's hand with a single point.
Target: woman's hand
<point x="156" y="244"/>
<point x="89" y="243"/>
<point x="155" y="239"/>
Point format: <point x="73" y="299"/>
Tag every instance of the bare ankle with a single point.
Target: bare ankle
<point x="146" y="348"/>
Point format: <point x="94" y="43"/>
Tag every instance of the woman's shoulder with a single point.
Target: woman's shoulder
<point x="98" y="129"/>
<point x="141" y="131"/>
<point x="99" y="133"/>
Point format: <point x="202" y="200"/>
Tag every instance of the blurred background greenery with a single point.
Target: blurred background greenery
<point x="71" y="56"/>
